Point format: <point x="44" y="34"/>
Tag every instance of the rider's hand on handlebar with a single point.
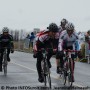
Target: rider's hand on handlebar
<point x="12" y="50"/>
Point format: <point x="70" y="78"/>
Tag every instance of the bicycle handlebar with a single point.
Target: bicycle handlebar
<point x="71" y="50"/>
<point x="5" y="47"/>
<point x="43" y="49"/>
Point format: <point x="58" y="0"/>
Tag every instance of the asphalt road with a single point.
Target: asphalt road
<point x="22" y="74"/>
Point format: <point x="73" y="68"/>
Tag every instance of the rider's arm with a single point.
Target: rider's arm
<point x="11" y="41"/>
<point x="60" y="43"/>
<point x="61" y="40"/>
<point x="0" y="40"/>
<point x="77" y="44"/>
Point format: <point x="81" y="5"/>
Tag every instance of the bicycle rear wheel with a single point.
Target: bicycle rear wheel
<point x="5" y="65"/>
<point x="5" y="70"/>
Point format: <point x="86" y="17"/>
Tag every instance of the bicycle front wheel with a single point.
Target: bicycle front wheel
<point x="49" y="79"/>
<point x="70" y="74"/>
<point x="47" y="76"/>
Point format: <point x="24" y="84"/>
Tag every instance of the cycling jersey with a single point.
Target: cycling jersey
<point x="68" y="41"/>
<point x="6" y="41"/>
<point x="42" y="36"/>
<point x="42" y="40"/>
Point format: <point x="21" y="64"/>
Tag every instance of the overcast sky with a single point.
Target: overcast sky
<point x="29" y="14"/>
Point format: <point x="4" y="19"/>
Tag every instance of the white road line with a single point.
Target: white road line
<point x="24" y="66"/>
<point x="77" y="85"/>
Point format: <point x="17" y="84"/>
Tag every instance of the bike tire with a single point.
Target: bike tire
<point x="48" y="77"/>
<point x="70" y="74"/>
<point x="5" y="70"/>
<point x="5" y="65"/>
<point x="49" y="80"/>
<point x="45" y="81"/>
<point x="64" y="77"/>
<point x="64" y="72"/>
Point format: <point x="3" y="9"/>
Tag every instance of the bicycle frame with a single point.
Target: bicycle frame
<point x="45" y="69"/>
<point x="68" y="72"/>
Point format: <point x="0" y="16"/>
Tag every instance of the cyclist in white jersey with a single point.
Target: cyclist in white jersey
<point x="67" y="40"/>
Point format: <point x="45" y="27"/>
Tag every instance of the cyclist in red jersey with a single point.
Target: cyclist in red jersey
<point x="44" y="40"/>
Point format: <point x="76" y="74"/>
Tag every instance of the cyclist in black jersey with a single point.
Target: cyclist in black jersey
<point x="6" y="40"/>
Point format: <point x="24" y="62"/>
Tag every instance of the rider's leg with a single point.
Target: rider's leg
<point x="59" y="56"/>
<point x="58" y="65"/>
<point x="8" y="52"/>
<point x="1" y="59"/>
<point x="73" y="57"/>
<point x="57" y="62"/>
<point x="49" y="55"/>
<point x="38" y="65"/>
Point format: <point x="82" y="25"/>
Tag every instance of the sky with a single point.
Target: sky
<point x="30" y="14"/>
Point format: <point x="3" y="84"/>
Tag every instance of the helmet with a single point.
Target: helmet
<point x="5" y="29"/>
<point x="64" y="21"/>
<point x="53" y="27"/>
<point x="69" y="26"/>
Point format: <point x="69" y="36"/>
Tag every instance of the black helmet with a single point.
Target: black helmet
<point x="53" y="27"/>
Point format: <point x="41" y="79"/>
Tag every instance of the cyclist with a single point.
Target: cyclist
<point x="67" y="40"/>
<point x="44" y="40"/>
<point x="87" y="39"/>
<point x="63" y="23"/>
<point x="87" y="36"/>
<point x="61" y="28"/>
<point x="6" y="40"/>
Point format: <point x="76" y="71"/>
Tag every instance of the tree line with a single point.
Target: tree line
<point x="18" y="34"/>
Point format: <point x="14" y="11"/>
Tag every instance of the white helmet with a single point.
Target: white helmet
<point x="69" y="26"/>
<point x="5" y="29"/>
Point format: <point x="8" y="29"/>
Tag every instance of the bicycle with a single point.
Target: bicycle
<point x="45" y="69"/>
<point x="5" y="62"/>
<point x="68" y="68"/>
